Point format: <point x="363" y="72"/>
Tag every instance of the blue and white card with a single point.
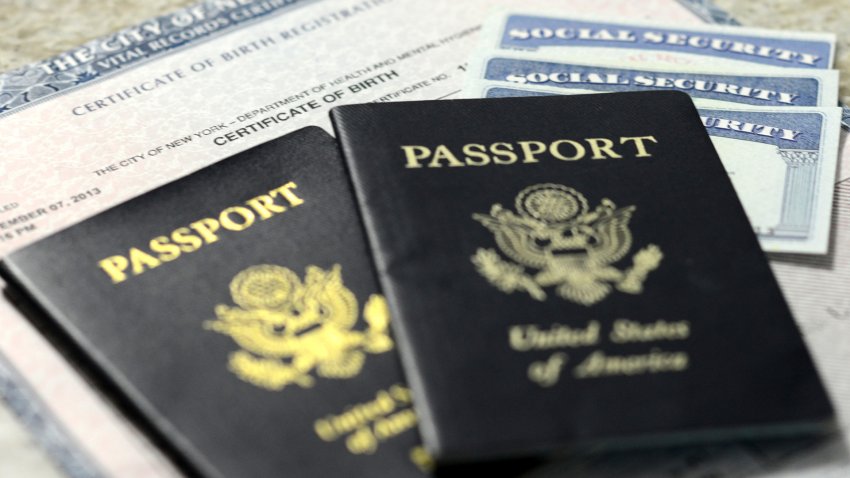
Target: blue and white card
<point x="781" y="88"/>
<point x="773" y="48"/>
<point x="782" y="162"/>
<point x="641" y="44"/>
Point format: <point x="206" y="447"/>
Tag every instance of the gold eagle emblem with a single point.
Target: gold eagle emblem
<point x="288" y="329"/>
<point x="571" y="247"/>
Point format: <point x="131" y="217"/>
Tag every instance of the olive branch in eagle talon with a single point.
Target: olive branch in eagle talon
<point x="288" y="329"/>
<point x="566" y="245"/>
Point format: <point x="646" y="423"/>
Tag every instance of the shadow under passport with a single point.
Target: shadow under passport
<point x="809" y="456"/>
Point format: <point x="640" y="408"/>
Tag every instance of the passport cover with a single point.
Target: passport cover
<point x="237" y="311"/>
<point x="573" y="271"/>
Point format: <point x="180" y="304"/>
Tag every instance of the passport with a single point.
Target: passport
<point x="573" y="273"/>
<point x="235" y="314"/>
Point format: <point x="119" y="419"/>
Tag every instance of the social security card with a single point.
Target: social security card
<point x="773" y="48"/>
<point x="642" y="44"/>
<point x="782" y="162"/>
<point x="781" y="88"/>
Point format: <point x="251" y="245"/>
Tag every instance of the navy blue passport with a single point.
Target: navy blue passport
<point x="573" y="272"/>
<point x="236" y="315"/>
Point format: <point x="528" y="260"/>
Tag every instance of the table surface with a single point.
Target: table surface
<point x="34" y="29"/>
